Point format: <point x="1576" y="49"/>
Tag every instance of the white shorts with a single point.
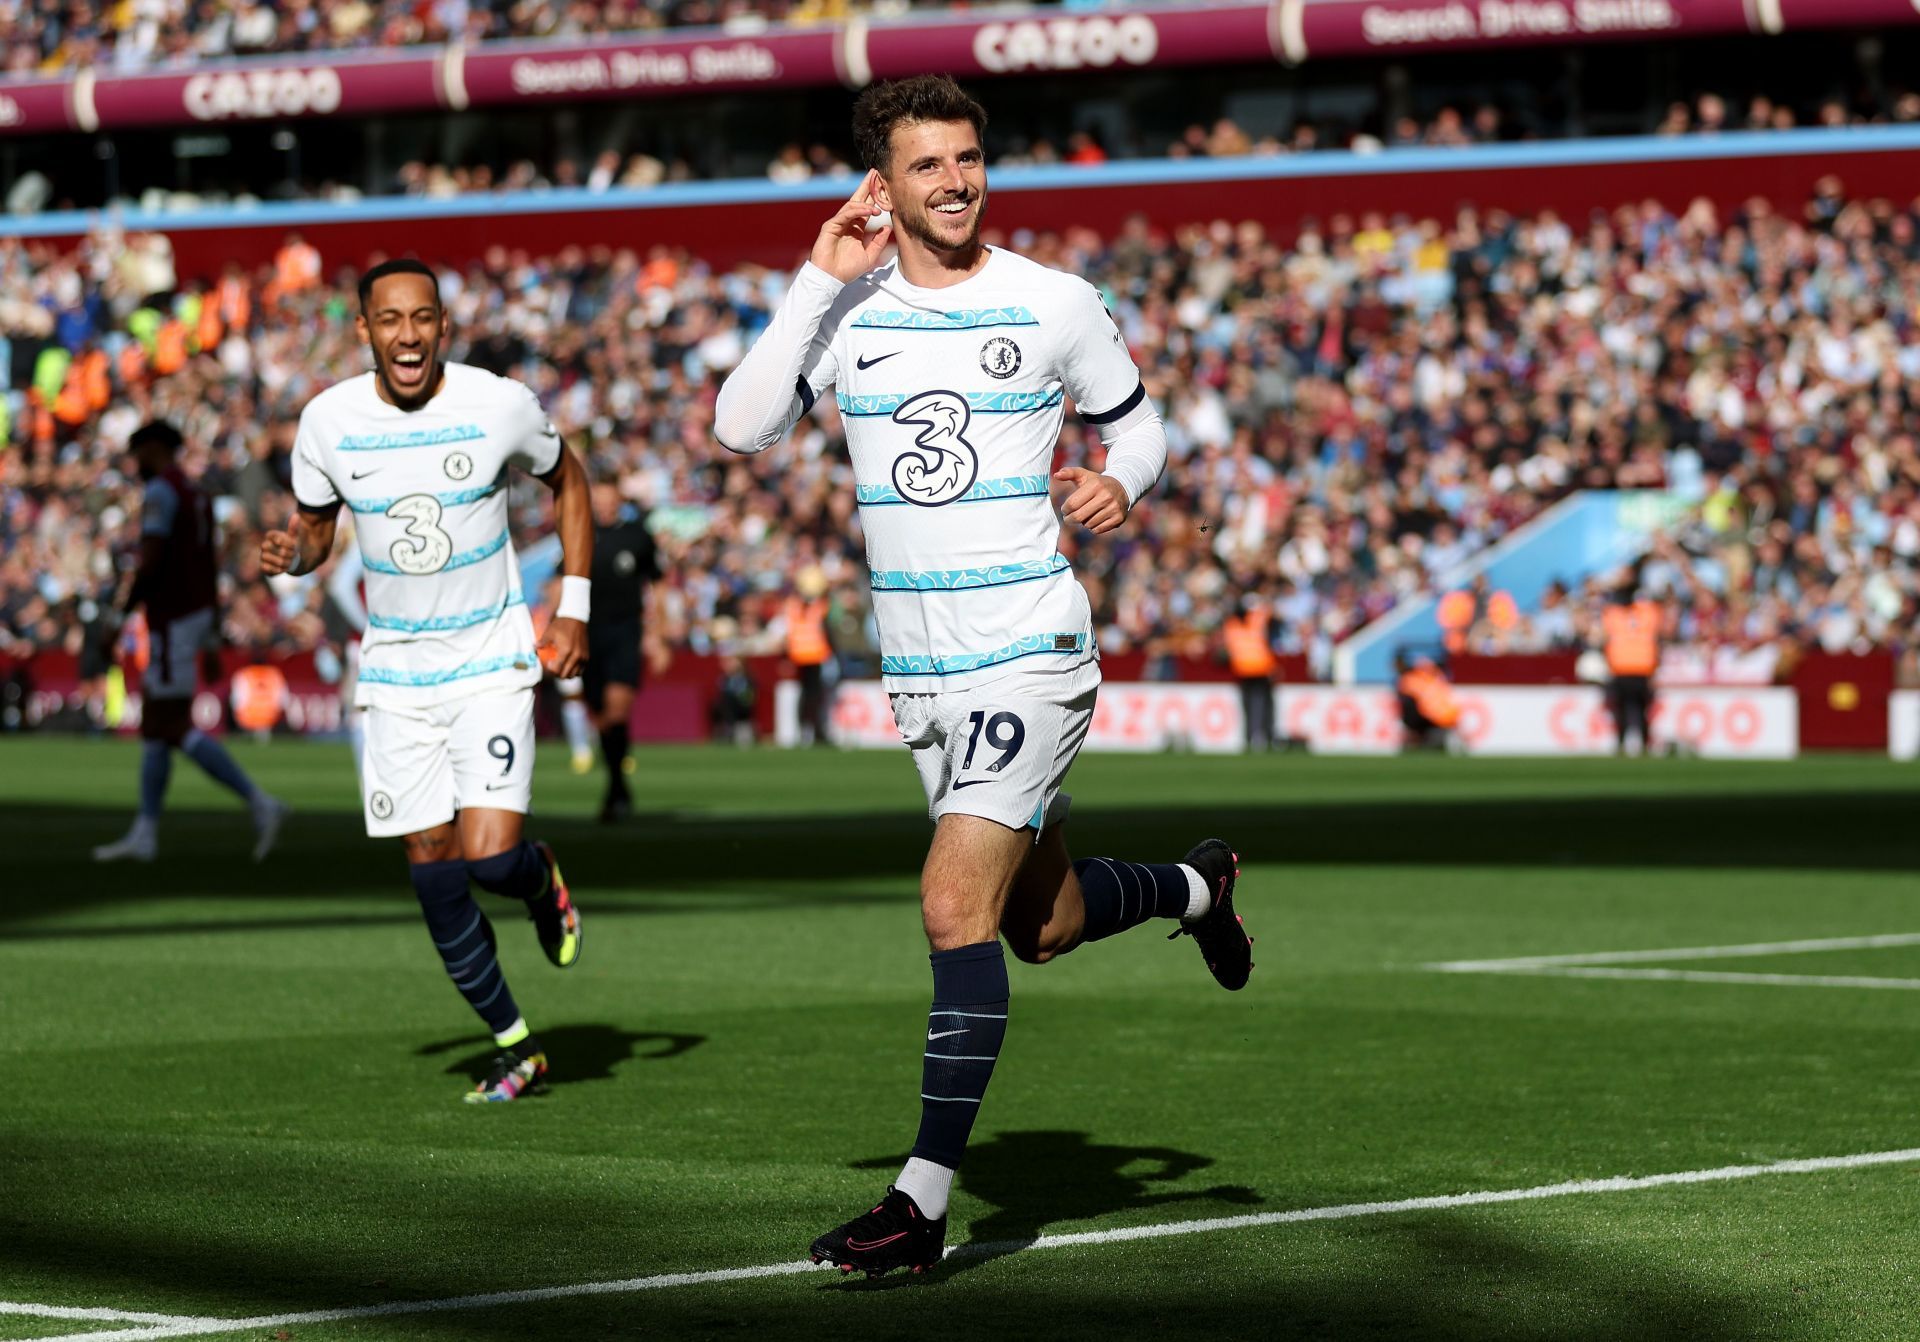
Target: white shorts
<point x="422" y="766"/>
<point x="173" y="655"/>
<point x="1000" y="751"/>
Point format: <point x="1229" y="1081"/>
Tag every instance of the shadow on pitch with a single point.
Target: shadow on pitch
<point x="1032" y="1180"/>
<point x="761" y="861"/>
<point x="262" y="1227"/>
<point x="576" y="1052"/>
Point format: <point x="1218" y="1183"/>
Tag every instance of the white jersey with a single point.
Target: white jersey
<point x="445" y="613"/>
<point x="952" y="400"/>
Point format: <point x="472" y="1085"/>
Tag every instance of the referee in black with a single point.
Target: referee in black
<point x="624" y="562"/>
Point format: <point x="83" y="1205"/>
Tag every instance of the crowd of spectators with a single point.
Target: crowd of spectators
<point x="128" y="36"/>
<point x="1349" y="418"/>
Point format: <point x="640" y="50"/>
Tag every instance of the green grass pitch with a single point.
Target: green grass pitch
<point x="233" y="1090"/>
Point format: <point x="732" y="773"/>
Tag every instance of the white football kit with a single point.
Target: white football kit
<point x="447" y="663"/>
<point x="953" y="400"/>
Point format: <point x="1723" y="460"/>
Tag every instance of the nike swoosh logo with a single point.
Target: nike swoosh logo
<point x="972" y="782"/>
<point x="361" y="475"/>
<point x="495" y="787"/>
<point x="864" y="364"/>
<point x="931" y="1036"/>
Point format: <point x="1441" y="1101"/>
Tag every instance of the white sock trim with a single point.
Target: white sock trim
<point x="1199" y="898"/>
<point x="928" y="1184"/>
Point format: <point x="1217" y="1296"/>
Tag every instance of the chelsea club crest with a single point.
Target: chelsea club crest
<point x="1000" y="357"/>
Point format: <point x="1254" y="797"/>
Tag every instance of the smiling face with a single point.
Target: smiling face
<point x="404" y="325"/>
<point x="935" y="185"/>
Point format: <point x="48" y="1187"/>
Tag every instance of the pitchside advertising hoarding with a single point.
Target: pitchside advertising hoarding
<point x="1761" y="723"/>
<point x="1903" y="724"/>
<point x="993" y="42"/>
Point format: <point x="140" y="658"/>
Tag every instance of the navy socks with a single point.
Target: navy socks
<point x="464" y="938"/>
<point x="1120" y="895"/>
<point x="965" y="1028"/>
<point x="518" y="873"/>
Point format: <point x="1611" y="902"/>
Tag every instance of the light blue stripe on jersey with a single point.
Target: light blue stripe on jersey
<point x="441" y="624"/>
<point x="967" y="319"/>
<point x="952" y="663"/>
<point x="518" y="661"/>
<point x="380" y="442"/>
<point x="450" y="500"/>
<point x="956" y="579"/>
<point x="980" y="402"/>
<point x="985" y="491"/>
<point x="461" y="560"/>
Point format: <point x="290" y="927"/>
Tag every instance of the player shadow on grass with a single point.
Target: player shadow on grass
<point x="578" y="1052"/>
<point x="1036" y="1179"/>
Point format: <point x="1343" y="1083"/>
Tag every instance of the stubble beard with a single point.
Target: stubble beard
<point x="922" y="227"/>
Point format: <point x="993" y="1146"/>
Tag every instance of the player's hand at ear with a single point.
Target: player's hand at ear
<point x="279" y="550"/>
<point x="563" y="648"/>
<point x="845" y="249"/>
<point x="1098" y="502"/>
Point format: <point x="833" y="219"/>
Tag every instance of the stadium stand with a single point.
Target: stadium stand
<point x="45" y="38"/>
<point x="1349" y="419"/>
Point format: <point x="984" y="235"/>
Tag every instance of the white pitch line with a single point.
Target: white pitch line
<point x="186" y="1326"/>
<point x="89" y="1312"/>
<point x="1707" y="976"/>
<point x="1680" y="953"/>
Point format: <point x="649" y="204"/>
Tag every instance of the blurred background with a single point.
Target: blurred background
<point x="1469" y="320"/>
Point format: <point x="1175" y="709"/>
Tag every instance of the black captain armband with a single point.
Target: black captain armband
<point x="1119" y="411"/>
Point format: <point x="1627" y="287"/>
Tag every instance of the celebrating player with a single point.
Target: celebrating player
<point x="175" y="582"/>
<point x="951" y="366"/>
<point x="419" y="450"/>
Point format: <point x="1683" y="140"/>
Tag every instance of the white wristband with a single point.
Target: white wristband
<point x="576" y="599"/>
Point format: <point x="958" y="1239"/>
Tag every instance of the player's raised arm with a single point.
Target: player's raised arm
<point x="304" y="545"/>
<point x="566" y="633"/>
<point x="776" y="383"/>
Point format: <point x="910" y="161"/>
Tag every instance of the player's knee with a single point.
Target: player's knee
<point x="949" y="927"/>
<point x="434" y="845"/>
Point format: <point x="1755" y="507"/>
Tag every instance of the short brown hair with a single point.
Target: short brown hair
<point x="883" y="107"/>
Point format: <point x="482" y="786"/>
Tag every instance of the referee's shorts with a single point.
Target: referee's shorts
<point x="613" y="658"/>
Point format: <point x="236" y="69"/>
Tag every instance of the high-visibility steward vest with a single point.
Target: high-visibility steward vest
<point x="259" y="694"/>
<point x="1247" y="649"/>
<point x="807" y="631"/>
<point x="133" y="364"/>
<point x="170" y="347"/>
<point x="1456" y="617"/>
<point x="1633" y="638"/>
<point x="207" y="329"/>
<point x="233" y="303"/>
<point x="1503" y="612"/>
<point x="1431" y="694"/>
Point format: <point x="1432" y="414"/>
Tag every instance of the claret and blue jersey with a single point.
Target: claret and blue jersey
<point x="427" y="488"/>
<point x="953" y="401"/>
